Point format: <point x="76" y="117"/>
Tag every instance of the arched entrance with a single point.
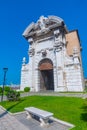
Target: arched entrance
<point x="46" y="74"/>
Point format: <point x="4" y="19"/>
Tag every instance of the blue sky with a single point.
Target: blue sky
<point x="16" y="15"/>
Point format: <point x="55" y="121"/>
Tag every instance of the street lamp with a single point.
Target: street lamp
<point x="5" y="70"/>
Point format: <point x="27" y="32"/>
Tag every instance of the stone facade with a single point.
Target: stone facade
<point x="55" y="58"/>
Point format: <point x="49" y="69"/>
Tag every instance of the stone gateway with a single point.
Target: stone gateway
<point x="54" y="57"/>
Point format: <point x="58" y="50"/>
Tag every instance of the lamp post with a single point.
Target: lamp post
<point x="5" y="70"/>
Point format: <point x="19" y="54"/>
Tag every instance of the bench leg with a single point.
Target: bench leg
<point x="28" y="115"/>
<point x="44" y="122"/>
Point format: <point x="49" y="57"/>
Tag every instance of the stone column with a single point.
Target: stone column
<point x="55" y="72"/>
<point x="36" y="75"/>
<point x="55" y="79"/>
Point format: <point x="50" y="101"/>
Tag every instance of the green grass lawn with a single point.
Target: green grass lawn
<point x="70" y="109"/>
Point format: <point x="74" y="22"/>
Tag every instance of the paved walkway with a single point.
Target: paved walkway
<point x="8" y="122"/>
<point x="51" y="93"/>
<point x="19" y="122"/>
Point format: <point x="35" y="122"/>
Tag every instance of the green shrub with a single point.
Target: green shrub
<point x="0" y="89"/>
<point x="26" y="89"/>
<point x="13" y="95"/>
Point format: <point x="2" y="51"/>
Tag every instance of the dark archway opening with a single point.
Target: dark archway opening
<point x="46" y="75"/>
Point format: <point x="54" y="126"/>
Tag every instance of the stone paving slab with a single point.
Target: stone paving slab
<point x="9" y="122"/>
<point x="33" y="124"/>
<point x="20" y="122"/>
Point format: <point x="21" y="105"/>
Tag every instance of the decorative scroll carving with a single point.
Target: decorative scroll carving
<point x="58" y="44"/>
<point x="41" y="22"/>
<point x="32" y="52"/>
<point x="30" y="40"/>
<point x="43" y="29"/>
<point x="56" y="33"/>
<point x="44" y="53"/>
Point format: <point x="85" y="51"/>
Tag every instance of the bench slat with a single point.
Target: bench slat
<point x="41" y="113"/>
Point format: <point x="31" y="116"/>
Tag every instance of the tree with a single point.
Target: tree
<point x="7" y="88"/>
<point x="0" y="89"/>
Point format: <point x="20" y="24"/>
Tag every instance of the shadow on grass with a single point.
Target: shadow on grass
<point x="84" y="114"/>
<point x="8" y="109"/>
